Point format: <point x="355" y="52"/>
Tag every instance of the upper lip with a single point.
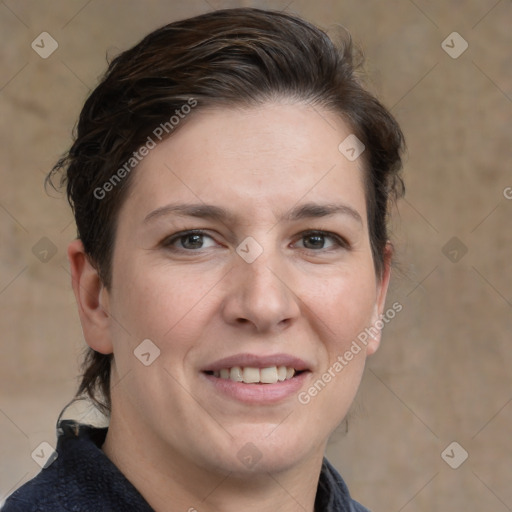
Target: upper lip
<point x="257" y="361"/>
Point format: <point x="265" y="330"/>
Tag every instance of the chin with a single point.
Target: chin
<point x="261" y="449"/>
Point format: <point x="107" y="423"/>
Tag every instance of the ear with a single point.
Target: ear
<point x="382" y="290"/>
<point x="92" y="299"/>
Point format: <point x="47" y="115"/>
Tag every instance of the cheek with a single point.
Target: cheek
<point x="344" y="307"/>
<point x="156" y="300"/>
<point x="344" y="304"/>
<point x="172" y="308"/>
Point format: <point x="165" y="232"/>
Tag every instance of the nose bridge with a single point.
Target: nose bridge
<point x="262" y="276"/>
<point x="261" y="292"/>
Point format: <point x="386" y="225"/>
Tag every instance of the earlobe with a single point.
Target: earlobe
<point x="382" y="289"/>
<point x="92" y="299"/>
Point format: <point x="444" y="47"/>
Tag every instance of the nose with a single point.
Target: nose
<point x="260" y="296"/>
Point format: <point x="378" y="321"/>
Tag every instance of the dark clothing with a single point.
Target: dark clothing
<point x="83" y="479"/>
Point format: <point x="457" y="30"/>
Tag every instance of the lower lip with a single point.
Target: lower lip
<point x="258" y="393"/>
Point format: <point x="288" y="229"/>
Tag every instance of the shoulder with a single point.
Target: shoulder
<point x="357" y="507"/>
<point x="62" y="479"/>
<point x="80" y="479"/>
<point x="333" y="494"/>
<point x="41" y="494"/>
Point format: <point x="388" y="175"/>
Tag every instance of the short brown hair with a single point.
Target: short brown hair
<point x="230" y="57"/>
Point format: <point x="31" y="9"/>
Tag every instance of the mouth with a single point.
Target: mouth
<point x="254" y="375"/>
<point x="257" y="379"/>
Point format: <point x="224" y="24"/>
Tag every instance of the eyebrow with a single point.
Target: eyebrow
<point x="209" y="211"/>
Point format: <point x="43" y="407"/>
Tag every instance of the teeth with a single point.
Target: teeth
<point x="268" y="375"/>
<point x="251" y="375"/>
<point x="236" y="374"/>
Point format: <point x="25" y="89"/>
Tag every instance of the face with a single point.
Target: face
<point x="276" y="279"/>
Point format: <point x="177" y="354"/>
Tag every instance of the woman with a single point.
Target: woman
<point x="230" y="181"/>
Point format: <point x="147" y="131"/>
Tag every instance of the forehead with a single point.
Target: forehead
<point x="272" y="156"/>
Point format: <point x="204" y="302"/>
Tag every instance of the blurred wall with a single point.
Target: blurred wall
<point x="443" y="373"/>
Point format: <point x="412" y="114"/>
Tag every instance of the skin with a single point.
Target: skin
<point x="174" y="436"/>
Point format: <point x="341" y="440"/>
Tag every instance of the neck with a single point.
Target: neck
<point x="169" y="481"/>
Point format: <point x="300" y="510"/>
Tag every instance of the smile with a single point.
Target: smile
<point x="253" y="375"/>
<point x="257" y="379"/>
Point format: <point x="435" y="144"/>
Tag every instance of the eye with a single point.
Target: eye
<point x="317" y="240"/>
<point x="189" y="241"/>
<point x="194" y="240"/>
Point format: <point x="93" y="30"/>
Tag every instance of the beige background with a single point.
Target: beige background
<point x="443" y="373"/>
